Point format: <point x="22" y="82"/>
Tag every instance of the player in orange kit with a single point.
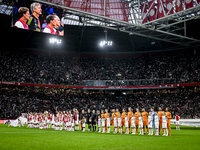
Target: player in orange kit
<point x="160" y="121"/>
<point x="129" y="116"/>
<point x="117" y="115"/>
<point x="123" y="118"/>
<point x="137" y="113"/>
<point x="112" y="117"/>
<point x="168" y="114"/>
<point x="106" y="116"/>
<point x="145" y="120"/>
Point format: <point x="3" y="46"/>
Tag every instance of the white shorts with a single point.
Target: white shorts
<point x="126" y="125"/>
<point x="150" y="125"/>
<point x="140" y="125"/>
<point x="132" y="124"/>
<point x="156" y="125"/>
<point x="177" y="122"/>
<point x="76" y="123"/>
<point x="164" y="125"/>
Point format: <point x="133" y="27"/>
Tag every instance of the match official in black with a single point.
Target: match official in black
<point x="94" y="119"/>
<point x="89" y="119"/>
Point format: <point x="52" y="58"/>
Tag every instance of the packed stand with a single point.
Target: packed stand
<point x="16" y="100"/>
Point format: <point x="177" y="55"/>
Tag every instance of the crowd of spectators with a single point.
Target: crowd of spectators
<point x="43" y="69"/>
<point x="16" y="100"/>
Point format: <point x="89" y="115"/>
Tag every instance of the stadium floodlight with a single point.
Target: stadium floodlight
<point x="106" y="42"/>
<point x="55" y="40"/>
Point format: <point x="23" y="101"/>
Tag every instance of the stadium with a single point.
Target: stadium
<point x="100" y="74"/>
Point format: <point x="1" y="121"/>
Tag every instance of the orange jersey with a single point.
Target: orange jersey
<point x="123" y="115"/>
<point x="112" y="116"/>
<point x="102" y="115"/>
<point x="168" y="114"/>
<point x="160" y="115"/>
<point x="117" y="114"/>
<point x="106" y="115"/>
<point x="130" y="114"/>
<point x="137" y="116"/>
<point x="145" y="116"/>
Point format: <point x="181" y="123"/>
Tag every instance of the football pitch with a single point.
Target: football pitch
<point x="14" y="138"/>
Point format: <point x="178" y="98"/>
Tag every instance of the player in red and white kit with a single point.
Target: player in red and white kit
<point x="65" y="120"/>
<point x="48" y="120"/>
<point x="72" y="123"/>
<point x="41" y="123"/>
<point x="177" y="122"/>
<point x="28" y="120"/>
<point x="76" y="121"/>
<point x="45" y="121"/>
<point x="56" y="122"/>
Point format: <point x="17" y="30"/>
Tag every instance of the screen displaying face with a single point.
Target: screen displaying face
<point x="31" y="15"/>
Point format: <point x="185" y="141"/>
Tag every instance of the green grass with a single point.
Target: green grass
<point x="24" y="138"/>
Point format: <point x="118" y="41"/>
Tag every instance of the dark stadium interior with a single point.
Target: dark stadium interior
<point x="88" y="42"/>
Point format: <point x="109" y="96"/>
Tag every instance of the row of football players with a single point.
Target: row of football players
<point x="131" y="122"/>
<point x="57" y="122"/>
<point x="67" y="122"/>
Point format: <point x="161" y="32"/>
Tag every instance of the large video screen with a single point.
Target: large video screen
<point x="31" y="15"/>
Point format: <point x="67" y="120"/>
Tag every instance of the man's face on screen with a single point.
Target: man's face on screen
<point x="38" y="10"/>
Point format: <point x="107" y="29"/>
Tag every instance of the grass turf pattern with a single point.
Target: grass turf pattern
<point x="27" y="138"/>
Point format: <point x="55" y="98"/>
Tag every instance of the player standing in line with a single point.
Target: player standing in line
<point x="56" y="122"/>
<point x="160" y="122"/>
<point x="137" y="119"/>
<point x="150" y="123"/>
<point x="41" y="123"/>
<point x="83" y="123"/>
<point x="117" y="115"/>
<point x="129" y="116"/>
<point x="65" y="122"/>
<point x="69" y="123"/>
<point x="157" y="118"/>
<point x="103" y="123"/>
<point x="99" y="123"/>
<point x="45" y="121"/>
<point x="164" y="124"/>
<point x="72" y="123"/>
<point x="81" y="117"/>
<point x="126" y="124"/>
<point x="145" y="120"/>
<point x="115" y="123"/>
<point x="177" y="117"/>
<point x="106" y="116"/>
<point x="112" y="117"/>
<point x="119" y="124"/>
<point x="133" y="123"/>
<point x="108" y="123"/>
<point x="123" y="118"/>
<point x="153" y="117"/>
<point x="141" y="124"/>
<point x="168" y="114"/>
<point x="28" y="120"/>
<point x="76" y="121"/>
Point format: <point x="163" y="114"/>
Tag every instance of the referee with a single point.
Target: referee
<point x="89" y="120"/>
<point x="94" y="119"/>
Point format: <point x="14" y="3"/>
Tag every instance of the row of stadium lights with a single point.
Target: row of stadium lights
<point x="58" y="41"/>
